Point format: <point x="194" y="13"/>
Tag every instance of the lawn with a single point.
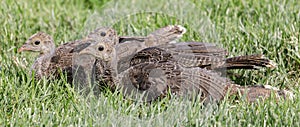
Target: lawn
<point x="243" y="27"/>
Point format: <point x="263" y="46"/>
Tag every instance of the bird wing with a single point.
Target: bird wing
<point x="209" y="49"/>
<point x="186" y="59"/>
<point x="157" y="78"/>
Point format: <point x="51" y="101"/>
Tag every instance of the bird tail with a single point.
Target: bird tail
<point x="164" y="35"/>
<point x="258" y="92"/>
<point x="255" y="61"/>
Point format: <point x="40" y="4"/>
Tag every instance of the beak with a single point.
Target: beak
<point x="23" y="48"/>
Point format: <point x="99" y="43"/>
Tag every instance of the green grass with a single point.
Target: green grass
<point x="268" y="27"/>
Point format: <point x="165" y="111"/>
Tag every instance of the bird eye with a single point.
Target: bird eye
<point x="100" y="48"/>
<point x="37" y="42"/>
<point x="102" y="34"/>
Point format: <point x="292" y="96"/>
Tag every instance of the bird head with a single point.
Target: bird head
<point x="101" y="50"/>
<point x="104" y="41"/>
<point x="39" y="42"/>
<point x="104" y="33"/>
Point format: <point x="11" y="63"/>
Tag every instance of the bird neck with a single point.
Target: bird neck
<point x="49" y="51"/>
<point x="41" y="64"/>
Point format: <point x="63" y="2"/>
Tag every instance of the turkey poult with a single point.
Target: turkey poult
<point x="43" y="44"/>
<point x="186" y="54"/>
<point x="157" y="74"/>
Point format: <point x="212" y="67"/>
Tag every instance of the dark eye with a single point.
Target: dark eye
<point x="102" y="34"/>
<point x="37" y="42"/>
<point x="100" y="48"/>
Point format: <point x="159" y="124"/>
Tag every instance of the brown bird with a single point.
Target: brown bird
<point x="155" y="72"/>
<point x="42" y="43"/>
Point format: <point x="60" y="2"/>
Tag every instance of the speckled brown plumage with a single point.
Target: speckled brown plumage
<point x="200" y="55"/>
<point x="163" y="77"/>
<point x="155" y="69"/>
<point x="179" y="65"/>
<point x="168" y="76"/>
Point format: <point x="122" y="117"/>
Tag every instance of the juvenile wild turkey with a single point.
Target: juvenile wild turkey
<point x="155" y="71"/>
<point x="42" y="43"/>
